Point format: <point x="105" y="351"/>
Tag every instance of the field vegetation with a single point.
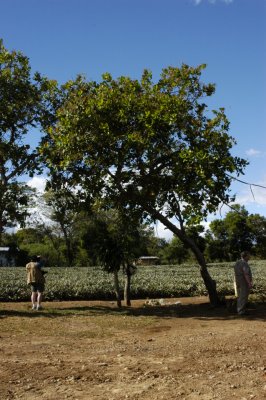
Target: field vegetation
<point x="161" y="281"/>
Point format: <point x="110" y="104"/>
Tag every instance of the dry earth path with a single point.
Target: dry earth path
<point x="180" y="349"/>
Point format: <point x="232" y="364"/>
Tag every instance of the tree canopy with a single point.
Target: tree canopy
<point x="147" y="145"/>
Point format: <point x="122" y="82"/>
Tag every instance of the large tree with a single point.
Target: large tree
<point x="23" y="106"/>
<point x="152" y="148"/>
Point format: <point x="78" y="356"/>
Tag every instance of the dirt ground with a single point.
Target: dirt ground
<point x="179" y="349"/>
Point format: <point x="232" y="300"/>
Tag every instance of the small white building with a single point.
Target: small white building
<point x="148" y="260"/>
<point x="6" y="259"/>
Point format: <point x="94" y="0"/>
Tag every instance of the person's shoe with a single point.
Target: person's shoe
<point x="39" y="308"/>
<point x="34" y="307"/>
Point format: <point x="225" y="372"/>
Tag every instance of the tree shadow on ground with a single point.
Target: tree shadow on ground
<point x="202" y="311"/>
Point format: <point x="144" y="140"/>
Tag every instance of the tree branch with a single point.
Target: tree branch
<point x="246" y="183"/>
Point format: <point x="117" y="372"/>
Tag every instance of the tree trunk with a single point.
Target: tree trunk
<point x="127" y="294"/>
<point x="1" y="228"/>
<point x="69" y="252"/>
<point x="210" y="284"/>
<point x="117" y="289"/>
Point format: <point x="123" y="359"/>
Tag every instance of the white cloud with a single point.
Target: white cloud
<point x="197" y="2"/>
<point x="38" y="183"/>
<point x="254" y="153"/>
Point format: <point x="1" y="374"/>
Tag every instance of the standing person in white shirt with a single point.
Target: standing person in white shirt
<point x="243" y="282"/>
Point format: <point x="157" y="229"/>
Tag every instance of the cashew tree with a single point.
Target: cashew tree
<point x="151" y="149"/>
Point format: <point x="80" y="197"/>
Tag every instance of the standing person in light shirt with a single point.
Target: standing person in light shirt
<point x="35" y="278"/>
<point x="243" y="282"/>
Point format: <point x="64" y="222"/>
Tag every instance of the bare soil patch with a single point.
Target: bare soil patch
<point x="182" y="349"/>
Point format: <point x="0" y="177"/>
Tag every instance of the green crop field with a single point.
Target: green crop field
<point x="148" y="282"/>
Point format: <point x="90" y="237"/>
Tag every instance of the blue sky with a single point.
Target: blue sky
<point x="65" y="37"/>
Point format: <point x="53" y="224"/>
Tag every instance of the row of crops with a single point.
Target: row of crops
<point x="148" y="282"/>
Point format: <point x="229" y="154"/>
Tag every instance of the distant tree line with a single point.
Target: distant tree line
<point x="67" y="239"/>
